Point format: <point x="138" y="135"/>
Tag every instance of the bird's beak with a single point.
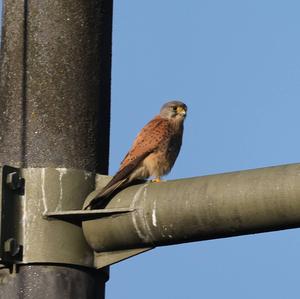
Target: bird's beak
<point x="181" y="111"/>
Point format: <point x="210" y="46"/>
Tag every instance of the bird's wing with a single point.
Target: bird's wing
<point x="146" y="142"/>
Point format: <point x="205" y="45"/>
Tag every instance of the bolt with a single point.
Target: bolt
<point x="11" y="246"/>
<point x="14" y="181"/>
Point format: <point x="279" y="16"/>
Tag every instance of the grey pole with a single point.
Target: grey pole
<point x="55" y="104"/>
<point x="199" y="208"/>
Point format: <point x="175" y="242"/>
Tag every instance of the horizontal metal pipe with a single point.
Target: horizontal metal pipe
<point x="200" y="208"/>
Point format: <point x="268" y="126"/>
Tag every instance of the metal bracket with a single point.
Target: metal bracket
<point x="26" y="236"/>
<point x="103" y="259"/>
<point x="12" y="188"/>
<point x="37" y="219"/>
<point x="76" y="217"/>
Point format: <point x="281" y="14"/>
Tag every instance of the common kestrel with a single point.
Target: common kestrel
<point x="153" y="152"/>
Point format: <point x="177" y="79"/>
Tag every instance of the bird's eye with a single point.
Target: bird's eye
<point x="174" y="108"/>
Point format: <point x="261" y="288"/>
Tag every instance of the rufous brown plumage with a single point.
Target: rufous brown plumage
<point x="153" y="152"/>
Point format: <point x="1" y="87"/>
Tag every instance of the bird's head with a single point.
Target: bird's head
<point x="175" y="110"/>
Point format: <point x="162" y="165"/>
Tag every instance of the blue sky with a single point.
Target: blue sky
<point x="236" y="64"/>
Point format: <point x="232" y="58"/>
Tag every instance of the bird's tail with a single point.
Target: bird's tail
<point x="120" y="180"/>
<point x="99" y="197"/>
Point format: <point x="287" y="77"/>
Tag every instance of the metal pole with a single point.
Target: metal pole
<point x="55" y="104"/>
<point x="202" y="208"/>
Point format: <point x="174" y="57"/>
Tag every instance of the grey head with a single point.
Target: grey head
<point x="174" y="110"/>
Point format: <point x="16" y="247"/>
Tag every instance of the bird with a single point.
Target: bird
<point x="152" y="154"/>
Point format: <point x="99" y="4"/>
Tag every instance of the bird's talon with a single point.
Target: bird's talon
<point x="157" y="180"/>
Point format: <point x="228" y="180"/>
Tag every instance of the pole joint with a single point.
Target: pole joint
<point x="41" y="216"/>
